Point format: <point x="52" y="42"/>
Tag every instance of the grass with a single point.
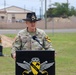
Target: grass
<point x="11" y="35"/>
<point x="7" y="63"/>
<point x="65" y="47"/>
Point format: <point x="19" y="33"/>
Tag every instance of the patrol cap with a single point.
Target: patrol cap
<point x="31" y="17"/>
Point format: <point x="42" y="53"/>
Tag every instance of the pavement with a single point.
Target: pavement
<point x="15" y="31"/>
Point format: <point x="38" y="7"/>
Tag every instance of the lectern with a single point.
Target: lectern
<point x="1" y="52"/>
<point x="35" y="62"/>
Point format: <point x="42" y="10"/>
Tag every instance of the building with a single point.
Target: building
<point x="13" y="14"/>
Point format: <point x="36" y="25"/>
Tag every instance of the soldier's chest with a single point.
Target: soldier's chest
<point x="29" y="43"/>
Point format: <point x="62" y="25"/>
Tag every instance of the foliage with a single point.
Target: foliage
<point x="72" y="11"/>
<point x="61" y="10"/>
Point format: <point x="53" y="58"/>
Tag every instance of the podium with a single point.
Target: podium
<point x="1" y="52"/>
<point x="35" y="62"/>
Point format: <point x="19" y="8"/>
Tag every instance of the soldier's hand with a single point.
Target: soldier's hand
<point x="14" y="56"/>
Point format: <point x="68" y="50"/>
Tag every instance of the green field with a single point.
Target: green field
<point x="65" y="48"/>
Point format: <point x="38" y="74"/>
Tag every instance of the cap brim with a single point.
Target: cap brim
<point x="32" y="20"/>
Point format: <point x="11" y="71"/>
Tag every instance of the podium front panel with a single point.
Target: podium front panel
<point x="35" y="62"/>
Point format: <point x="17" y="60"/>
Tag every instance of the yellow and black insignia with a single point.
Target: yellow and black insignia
<point x="35" y="67"/>
<point x="47" y="38"/>
<point x="33" y="17"/>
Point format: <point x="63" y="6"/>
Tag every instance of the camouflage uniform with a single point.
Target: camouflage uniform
<point x="0" y="41"/>
<point x="24" y="41"/>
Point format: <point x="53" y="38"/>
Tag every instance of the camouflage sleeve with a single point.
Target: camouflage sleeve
<point x="16" y="44"/>
<point x="47" y="42"/>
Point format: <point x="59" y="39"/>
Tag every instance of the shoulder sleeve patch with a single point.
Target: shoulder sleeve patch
<point x="47" y="38"/>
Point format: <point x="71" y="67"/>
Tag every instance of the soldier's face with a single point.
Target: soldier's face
<point x="31" y="24"/>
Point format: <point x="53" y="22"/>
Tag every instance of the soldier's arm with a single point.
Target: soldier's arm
<point x="15" y="46"/>
<point x="47" y="42"/>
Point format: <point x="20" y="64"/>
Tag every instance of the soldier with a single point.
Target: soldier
<point x="31" y="38"/>
<point x="0" y="41"/>
<point x="1" y="47"/>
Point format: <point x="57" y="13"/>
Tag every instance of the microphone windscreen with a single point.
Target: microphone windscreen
<point x="34" y="37"/>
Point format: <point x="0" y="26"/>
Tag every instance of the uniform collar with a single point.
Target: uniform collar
<point x="36" y="31"/>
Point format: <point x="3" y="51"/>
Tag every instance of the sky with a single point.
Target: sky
<point x="34" y="5"/>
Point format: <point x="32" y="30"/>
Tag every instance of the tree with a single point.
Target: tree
<point x="60" y="10"/>
<point x="72" y="11"/>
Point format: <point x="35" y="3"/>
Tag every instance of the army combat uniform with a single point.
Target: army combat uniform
<point x="24" y="41"/>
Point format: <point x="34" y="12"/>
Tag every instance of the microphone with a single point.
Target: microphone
<point x="36" y="39"/>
